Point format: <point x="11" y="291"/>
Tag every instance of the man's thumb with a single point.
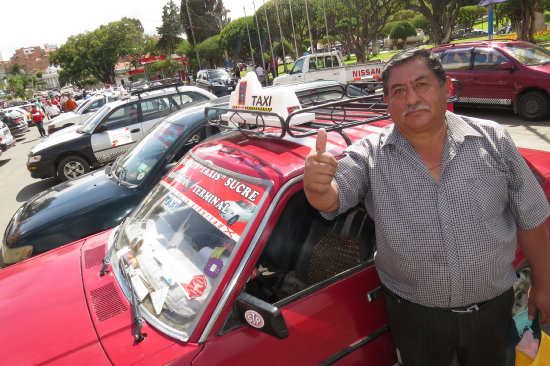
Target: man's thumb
<point x="321" y="144"/>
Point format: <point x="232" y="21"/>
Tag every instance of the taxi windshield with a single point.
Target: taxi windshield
<point x="92" y="122"/>
<point x="529" y="54"/>
<point x="177" y="245"/>
<point x="136" y="164"/>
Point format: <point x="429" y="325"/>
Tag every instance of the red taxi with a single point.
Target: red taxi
<point x="178" y="283"/>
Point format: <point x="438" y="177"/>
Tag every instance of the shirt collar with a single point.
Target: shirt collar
<point x="457" y="130"/>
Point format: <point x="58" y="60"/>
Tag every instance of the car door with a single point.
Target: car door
<point x="297" y="70"/>
<point x="118" y="131"/>
<point x="320" y="275"/>
<point x="490" y="84"/>
<point x="456" y="63"/>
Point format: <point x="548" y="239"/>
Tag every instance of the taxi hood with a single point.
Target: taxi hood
<point x="43" y="309"/>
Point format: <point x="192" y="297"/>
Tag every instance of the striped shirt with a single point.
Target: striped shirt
<point x="452" y="243"/>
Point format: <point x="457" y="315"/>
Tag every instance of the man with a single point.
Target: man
<point x="70" y="104"/>
<point x="260" y="72"/>
<point x="63" y="100"/>
<point x="450" y="197"/>
<point x="38" y="119"/>
<point x="52" y="110"/>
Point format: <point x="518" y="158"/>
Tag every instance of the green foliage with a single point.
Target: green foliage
<point x="404" y="14"/>
<point x="201" y="16"/>
<point x="16" y="86"/>
<point x="171" y="28"/>
<point x="15" y="69"/>
<point x="468" y="15"/>
<point x="211" y="51"/>
<point x="235" y="39"/>
<point x="402" y="29"/>
<point x="96" y="53"/>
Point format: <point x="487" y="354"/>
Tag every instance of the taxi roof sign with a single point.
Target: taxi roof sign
<point x="249" y="96"/>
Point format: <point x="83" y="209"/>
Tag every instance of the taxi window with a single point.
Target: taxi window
<point x="96" y="105"/>
<point x="313" y="63"/>
<point x="157" y="108"/>
<point x="181" y="99"/>
<point x="124" y="116"/>
<point x="298" y="67"/>
<point x="458" y="59"/>
<point x="488" y="59"/>
<point x="304" y="250"/>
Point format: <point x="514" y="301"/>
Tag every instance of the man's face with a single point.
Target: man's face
<point x="416" y="101"/>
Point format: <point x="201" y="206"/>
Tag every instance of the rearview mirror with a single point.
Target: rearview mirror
<point x="261" y="315"/>
<point x="457" y="90"/>
<point x="101" y="128"/>
<point x="507" y="66"/>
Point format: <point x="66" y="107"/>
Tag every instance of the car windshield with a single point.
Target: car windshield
<point x="177" y="245"/>
<point x="91" y="123"/>
<point x="218" y="74"/>
<point x="529" y="54"/>
<point x="135" y="165"/>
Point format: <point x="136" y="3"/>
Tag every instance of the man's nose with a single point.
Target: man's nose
<point x="412" y="97"/>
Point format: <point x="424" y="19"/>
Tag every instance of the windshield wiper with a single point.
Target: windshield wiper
<point x="136" y="313"/>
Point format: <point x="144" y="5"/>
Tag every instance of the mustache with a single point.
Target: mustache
<point x="414" y="108"/>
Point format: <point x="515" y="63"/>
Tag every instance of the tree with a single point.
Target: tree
<point x="202" y="16"/>
<point x="441" y="14"/>
<point x="211" y="50"/>
<point x="468" y="16"/>
<point x="401" y="30"/>
<point x="522" y="15"/>
<point x="234" y="38"/>
<point x="171" y="28"/>
<point x="96" y="53"/>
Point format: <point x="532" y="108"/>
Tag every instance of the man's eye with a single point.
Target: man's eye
<point x="422" y="84"/>
<point x="398" y="91"/>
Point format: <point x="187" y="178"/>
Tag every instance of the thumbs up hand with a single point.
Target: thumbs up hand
<point x="320" y="168"/>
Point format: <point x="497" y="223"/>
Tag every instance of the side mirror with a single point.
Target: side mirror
<point x="101" y="128"/>
<point x="457" y="91"/>
<point x="507" y="66"/>
<point x="260" y="315"/>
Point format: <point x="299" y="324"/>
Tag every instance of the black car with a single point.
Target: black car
<point x="101" y="199"/>
<point x="15" y="122"/>
<point x="109" y="132"/>
<point x="216" y="81"/>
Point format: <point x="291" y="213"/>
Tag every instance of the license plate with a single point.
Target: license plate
<point x="229" y="88"/>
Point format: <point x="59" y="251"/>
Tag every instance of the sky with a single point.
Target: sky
<point x="29" y="23"/>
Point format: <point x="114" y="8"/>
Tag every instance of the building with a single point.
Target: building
<point x="31" y="59"/>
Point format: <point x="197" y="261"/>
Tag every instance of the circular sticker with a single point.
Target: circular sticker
<point x="254" y="319"/>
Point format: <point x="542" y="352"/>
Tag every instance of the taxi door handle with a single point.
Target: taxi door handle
<point x="135" y="130"/>
<point x="376" y="293"/>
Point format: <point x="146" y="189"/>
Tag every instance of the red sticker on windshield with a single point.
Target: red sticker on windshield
<point x="196" y="287"/>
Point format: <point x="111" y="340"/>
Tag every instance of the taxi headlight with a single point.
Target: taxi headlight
<point x="14" y="255"/>
<point x="217" y="83"/>
<point x="34" y="158"/>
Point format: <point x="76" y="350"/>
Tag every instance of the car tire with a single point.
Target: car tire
<point x="521" y="288"/>
<point x="232" y="220"/>
<point x="72" y="167"/>
<point x="533" y="106"/>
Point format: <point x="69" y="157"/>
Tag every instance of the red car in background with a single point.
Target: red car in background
<point x="501" y="73"/>
<point x="180" y="285"/>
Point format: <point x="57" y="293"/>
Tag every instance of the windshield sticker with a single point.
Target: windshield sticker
<point x="225" y="202"/>
<point x="170" y="203"/>
<point x="120" y="137"/>
<point x="196" y="287"/>
<point x="158" y="297"/>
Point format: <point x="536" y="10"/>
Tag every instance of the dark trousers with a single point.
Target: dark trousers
<point x="429" y="336"/>
<point x="40" y="126"/>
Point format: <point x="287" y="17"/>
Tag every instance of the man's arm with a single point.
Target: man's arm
<point x="535" y="245"/>
<point x="319" y="170"/>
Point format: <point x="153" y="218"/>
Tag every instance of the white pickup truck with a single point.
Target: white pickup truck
<point x="329" y="66"/>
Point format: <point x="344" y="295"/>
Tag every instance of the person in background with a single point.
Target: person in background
<point x="52" y="110"/>
<point x="62" y="101"/>
<point x="237" y="71"/>
<point x="450" y="197"/>
<point x="38" y="119"/>
<point x="85" y="95"/>
<point x="70" y="104"/>
<point x="260" y="73"/>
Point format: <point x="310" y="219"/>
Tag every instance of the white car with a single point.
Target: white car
<point x="80" y="114"/>
<point x="234" y="211"/>
<point x="6" y="138"/>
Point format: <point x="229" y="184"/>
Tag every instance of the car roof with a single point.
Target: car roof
<point x="158" y="92"/>
<point x="494" y="43"/>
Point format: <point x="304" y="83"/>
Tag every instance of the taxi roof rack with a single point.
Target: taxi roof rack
<point x="334" y="115"/>
<point x="149" y="86"/>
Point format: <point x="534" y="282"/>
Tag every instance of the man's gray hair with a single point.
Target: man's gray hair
<point x="432" y="61"/>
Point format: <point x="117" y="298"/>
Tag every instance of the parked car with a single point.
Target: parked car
<point x="110" y="132"/>
<point x="501" y="73"/>
<point x="101" y="199"/>
<point x="173" y="284"/>
<point x="15" y="121"/>
<point x="80" y="114"/>
<point x="476" y="33"/>
<point x="6" y="138"/>
<point x="217" y="81"/>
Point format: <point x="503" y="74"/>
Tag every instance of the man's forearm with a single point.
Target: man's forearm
<point x="327" y="201"/>
<point x="535" y="245"/>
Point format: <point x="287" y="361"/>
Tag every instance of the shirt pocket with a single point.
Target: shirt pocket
<point x="488" y="196"/>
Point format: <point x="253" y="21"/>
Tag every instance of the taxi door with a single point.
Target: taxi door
<point x="323" y="283"/>
<point x="117" y="133"/>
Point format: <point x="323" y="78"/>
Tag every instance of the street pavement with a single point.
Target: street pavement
<point x="17" y="186"/>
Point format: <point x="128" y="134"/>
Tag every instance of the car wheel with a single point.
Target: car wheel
<point x="232" y="220"/>
<point x="196" y="138"/>
<point x="521" y="288"/>
<point x="72" y="167"/>
<point x="534" y="106"/>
